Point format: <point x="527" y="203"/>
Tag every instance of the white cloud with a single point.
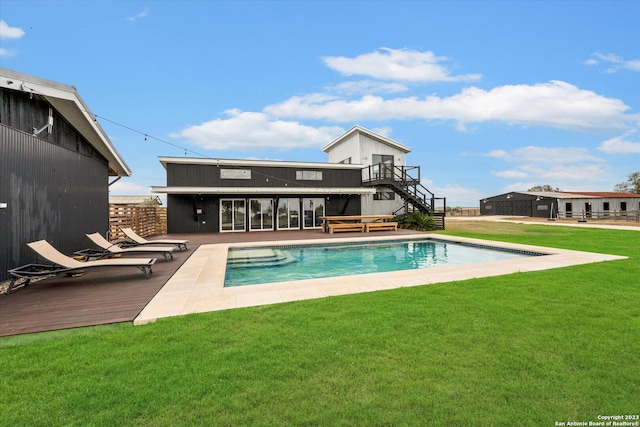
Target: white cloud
<point x="545" y="155"/>
<point x="252" y="131"/>
<point x="564" y="167"/>
<point x="7" y="32"/>
<point x="142" y="14"/>
<point x="553" y="104"/>
<point x="622" y="144"/>
<point x="6" y="52"/>
<point x="397" y="64"/>
<point x="614" y="62"/>
<point x="368" y="86"/>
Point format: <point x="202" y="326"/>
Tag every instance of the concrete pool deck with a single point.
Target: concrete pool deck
<point x="198" y="285"/>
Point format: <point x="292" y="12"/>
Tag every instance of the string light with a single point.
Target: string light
<point x="186" y="150"/>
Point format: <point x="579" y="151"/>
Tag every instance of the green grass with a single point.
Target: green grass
<point x="523" y="349"/>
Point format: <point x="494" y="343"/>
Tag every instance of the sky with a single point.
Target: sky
<point x="491" y="96"/>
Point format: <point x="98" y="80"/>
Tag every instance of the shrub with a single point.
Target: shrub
<point x="419" y="221"/>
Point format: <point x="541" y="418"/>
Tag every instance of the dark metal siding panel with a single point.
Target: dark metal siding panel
<point x="182" y="218"/>
<point x="51" y="193"/>
<point x="182" y="175"/>
<point x="24" y="111"/>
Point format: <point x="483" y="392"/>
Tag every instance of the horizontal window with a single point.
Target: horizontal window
<point x="384" y="195"/>
<point x="542" y="207"/>
<point x="235" y="173"/>
<point x="309" y="175"/>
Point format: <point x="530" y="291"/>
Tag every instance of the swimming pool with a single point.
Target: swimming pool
<point x="258" y="265"/>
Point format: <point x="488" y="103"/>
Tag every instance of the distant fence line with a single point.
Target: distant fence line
<point x="463" y="212"/>
<point x="144" y="220"/>
<point x="608" y="215"/>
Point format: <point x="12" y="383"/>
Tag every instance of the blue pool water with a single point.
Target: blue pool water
<point x="247" y="266"/>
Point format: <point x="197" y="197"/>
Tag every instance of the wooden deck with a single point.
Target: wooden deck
<point x="102" y="296"/>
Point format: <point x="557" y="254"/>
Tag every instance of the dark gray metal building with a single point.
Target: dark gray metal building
<point x="226" y="195"/>
<point x="521" y="203"/>
<point x="55" y="164"/>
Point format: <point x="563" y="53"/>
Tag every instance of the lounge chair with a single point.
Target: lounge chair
<point x="63" y="264"/>
<point x="113" y="249"/>
<point x="181" y="244"/>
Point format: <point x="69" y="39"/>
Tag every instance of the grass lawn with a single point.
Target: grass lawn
<point x="524" y="349"/>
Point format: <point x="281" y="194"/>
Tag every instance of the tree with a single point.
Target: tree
<point x="543" y="188"/>
<point x="632" y="185"/>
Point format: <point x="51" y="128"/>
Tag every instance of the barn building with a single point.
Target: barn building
<point x="55" y="166"/>
<point x="552" y="204"/>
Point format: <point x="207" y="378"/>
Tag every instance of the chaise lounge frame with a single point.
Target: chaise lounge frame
<point x="139" y="240"/>
<point x="62" y="264"/>
<point x="109" y="249"/>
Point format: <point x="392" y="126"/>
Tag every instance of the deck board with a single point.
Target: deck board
<point x="112" y="295"/>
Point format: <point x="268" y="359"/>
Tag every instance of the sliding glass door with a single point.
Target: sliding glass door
<point x="232" y="215"/>
<point x="261" y="218"/>
<point x="289" y="214"/>
<point x="313" y="212"/>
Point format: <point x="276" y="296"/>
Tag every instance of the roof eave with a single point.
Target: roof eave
<point x="262" y="190"/>
<point x="373" y="135"/>
<point x="66" y="100"/>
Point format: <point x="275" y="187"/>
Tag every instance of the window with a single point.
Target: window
<point x="261" y="217"/>
<point x="542" y="207"/>
<point x="309" y="175"/>
<point x="289" y="214"/>
<point x="605" y="206"/>
<point x="235" y="174"/>
<point x="232" y="215"/>
<point x="623" y="206"/>
<point x="382" y="165"/>
<point x="384" y="195"/>
<point x="346" y="161"/>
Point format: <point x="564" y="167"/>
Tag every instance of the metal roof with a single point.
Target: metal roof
<point x="66" y="100"/>
<point x="575" y="195"/>
<point x="263" y="190"/>
<point x="133" y="200"/>
<point x="248" y="163"/>
<point x="370" y="134"/>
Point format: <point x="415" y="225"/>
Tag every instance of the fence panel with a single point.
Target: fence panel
<point x="633" y="216"/>
<point x="144" y="220"/>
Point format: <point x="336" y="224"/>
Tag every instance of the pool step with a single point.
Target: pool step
<point x="259" y="258"/>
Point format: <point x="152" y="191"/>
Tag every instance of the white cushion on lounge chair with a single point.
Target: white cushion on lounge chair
<point x="50" y="253"/>
<point x="115" y="249"/>
<point x="142" y="241"/>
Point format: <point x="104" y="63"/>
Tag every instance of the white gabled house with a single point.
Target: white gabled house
<point x="379" y="156"/>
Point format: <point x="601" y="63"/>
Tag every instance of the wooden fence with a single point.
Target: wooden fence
<point x="144" y="220"/>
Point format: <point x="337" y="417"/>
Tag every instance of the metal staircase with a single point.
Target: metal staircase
<point x="399" y="179"/>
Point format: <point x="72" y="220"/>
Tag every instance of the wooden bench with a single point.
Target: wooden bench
<point x="391" y="226"/>
<point x="346" y="226"/>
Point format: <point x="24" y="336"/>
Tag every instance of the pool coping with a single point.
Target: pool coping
<point x="198" y="285"/>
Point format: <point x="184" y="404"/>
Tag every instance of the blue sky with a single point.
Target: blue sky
<point x="491" y="96"/>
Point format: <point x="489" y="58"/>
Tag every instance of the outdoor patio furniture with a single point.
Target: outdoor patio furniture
<point x="110" y="248"/>
<point x="62" y="264"/>
<point x="181" y="244"/>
